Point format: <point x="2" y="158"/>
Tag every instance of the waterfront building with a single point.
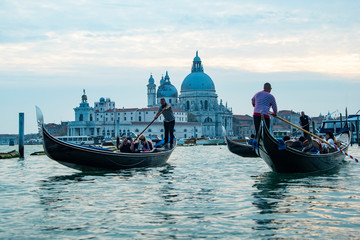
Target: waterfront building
<point x="104" y="119"/>
<point x="243" y="126"/>
<point x="8" y="139"/>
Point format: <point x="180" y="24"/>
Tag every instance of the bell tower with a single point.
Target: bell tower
<point x="151" y="92"/>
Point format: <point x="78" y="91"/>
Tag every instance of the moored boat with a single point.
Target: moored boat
<point x="241" y="149"/>
<point x="86" y="158"/>
<point x="290" y="160"/>
<point x="209" y="141"/>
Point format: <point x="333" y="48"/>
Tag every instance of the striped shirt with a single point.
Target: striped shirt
<point x="168" y="114"/>
<point x="262" y="101"/>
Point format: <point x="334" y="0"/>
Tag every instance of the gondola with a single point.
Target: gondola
<point x="86" y="158"/>
<point x="289" y="160"/>
<point x="243" y="150"/>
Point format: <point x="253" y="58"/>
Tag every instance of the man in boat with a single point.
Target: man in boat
<point x="262" y="101"/>
<point x="169" y="121"/>
<point x="252" y="140"/>
<point x="125" y="145"/>
<point x="305" y="121"/>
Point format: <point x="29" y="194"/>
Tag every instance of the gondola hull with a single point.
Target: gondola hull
<point x="289" y="160"/>
<point x="243" y="150"/>
<point x="92" y="159"/>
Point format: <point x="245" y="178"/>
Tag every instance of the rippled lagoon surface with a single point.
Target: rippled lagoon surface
<point x="203" y="192"/>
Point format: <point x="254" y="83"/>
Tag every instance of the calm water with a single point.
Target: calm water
<point x="204" y="192"/>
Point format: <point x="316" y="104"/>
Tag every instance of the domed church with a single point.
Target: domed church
<point x="197" y="96"/>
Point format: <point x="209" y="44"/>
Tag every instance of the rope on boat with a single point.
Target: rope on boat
<point x="345" y="153"/>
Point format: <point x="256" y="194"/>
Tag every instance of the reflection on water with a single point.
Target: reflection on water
<point x="204" y="192"/>
<point x="284" y="200"/>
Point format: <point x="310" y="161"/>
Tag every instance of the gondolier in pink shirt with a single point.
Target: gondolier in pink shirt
<point x="262" y="101"/>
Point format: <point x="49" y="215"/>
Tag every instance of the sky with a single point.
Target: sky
<point x="51" y="50"/>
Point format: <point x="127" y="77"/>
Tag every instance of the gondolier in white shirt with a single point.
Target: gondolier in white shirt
<point x="169" y="121"/>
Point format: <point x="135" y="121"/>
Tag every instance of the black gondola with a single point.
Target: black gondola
<point x="243" y="150"/>
<point x="290" y="160"/>
<point x="86" y="158"/>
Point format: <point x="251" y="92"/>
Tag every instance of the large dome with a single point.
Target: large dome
<point x="197" y="81"/>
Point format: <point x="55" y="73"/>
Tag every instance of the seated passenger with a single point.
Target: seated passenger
<point x="142" y="145"/>
<point x="329" y="137"/>
<point x="298" y="145"/>
<point x="251" y="140"/>
<point x="125" y="145"/>
<point x="286" y="138"/>
<point x="310" y="146"/>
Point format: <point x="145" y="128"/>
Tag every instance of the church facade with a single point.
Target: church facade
<point x="197" y="97"/>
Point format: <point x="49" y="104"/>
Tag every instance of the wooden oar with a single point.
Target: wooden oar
<point x="322" y="140"/>
<point x="149" y="124"/>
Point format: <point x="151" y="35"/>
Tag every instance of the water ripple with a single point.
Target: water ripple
<point x="203" y="192"/>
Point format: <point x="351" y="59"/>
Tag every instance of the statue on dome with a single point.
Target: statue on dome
<point x="84" y="97"/>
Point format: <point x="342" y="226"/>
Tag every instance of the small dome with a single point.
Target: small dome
<point x="102" y="99"/>
<point x="151" y="79"/>
<point x="167" y="90"/>
<point x="197" y="81"/>
<point x="197" y="58"/>
<point x="162" y="81"/>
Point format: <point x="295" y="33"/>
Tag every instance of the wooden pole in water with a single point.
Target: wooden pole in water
<point x="313" y="127"/>
<point x="21" y="135"/>
<point x="357" y="130"/>
<point x="352" y="137"/>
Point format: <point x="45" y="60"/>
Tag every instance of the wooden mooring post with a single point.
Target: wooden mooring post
<point x="21" y="135"/>
<point x="313" y="127"/>
<point x="357" y="130"/>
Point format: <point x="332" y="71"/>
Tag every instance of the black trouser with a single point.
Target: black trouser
<point x="257" y="121"/>
<point x="169" y="127"/>
<point x="307" y="128"/>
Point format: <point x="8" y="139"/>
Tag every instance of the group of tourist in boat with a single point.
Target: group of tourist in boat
<point x="307" y="144"/>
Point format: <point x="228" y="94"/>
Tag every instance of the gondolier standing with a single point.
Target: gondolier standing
<point x="262" y="101"/>
<point x="169" y="121"/>
<point x="305" y="121"/>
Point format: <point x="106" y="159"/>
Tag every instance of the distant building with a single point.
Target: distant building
<point x="243" y="125"/>
<point x="57" y="129"/>
<point x="7" y="139"/>
<point x="288" y="115"/>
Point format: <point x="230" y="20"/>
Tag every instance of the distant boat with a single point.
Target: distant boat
<point x="86" y="158"/>
<point x="208" y="141"/>
<point x="284" y="159"/>
<point x="335" y="126"/>
<point x="82" y="140"/>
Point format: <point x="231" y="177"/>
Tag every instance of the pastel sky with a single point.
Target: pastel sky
<point x="51" y="50"/>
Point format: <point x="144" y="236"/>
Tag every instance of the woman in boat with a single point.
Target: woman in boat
<point x="142" y="145"/>
<point x="329" y="137"/>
